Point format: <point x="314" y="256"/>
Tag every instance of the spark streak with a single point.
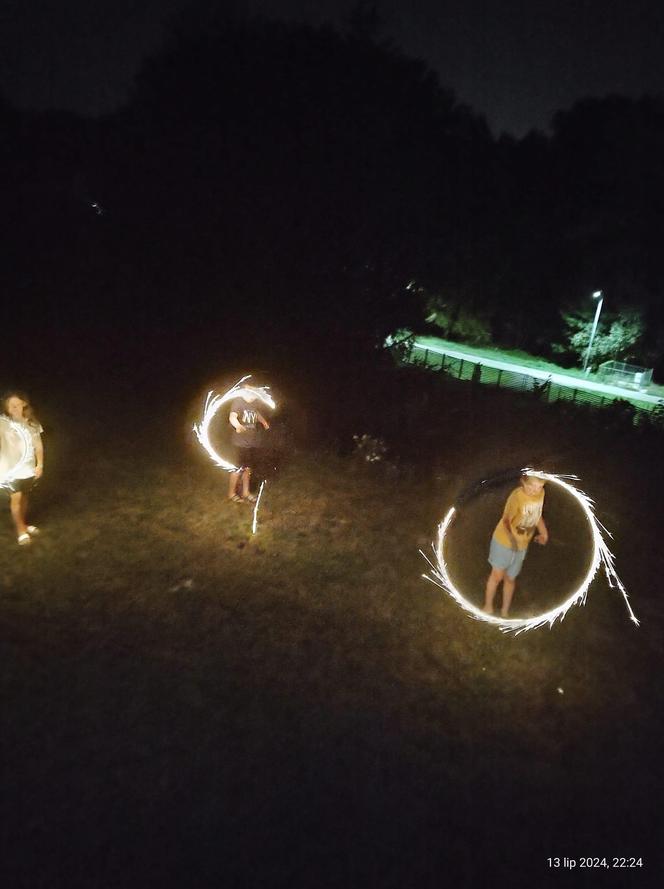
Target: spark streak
<point x="602" y="556"/>
<point x="254" y="524"/>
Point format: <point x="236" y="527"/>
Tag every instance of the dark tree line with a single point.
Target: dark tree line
<point x="277" y="187"/>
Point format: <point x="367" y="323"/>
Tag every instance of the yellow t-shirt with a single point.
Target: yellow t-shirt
<point x="523" y="513"/>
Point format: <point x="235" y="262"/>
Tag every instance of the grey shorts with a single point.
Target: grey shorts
<point x="22" y="485"/>
<point x="506" y="559"/>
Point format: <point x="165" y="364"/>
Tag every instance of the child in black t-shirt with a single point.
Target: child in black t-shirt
<point x="244" y="418"/>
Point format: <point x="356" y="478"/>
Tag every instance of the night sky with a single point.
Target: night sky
<point x="514" y="61"/>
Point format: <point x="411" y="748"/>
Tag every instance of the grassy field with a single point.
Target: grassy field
<point x="185" y="704"/>
<point x="516" y="356"/>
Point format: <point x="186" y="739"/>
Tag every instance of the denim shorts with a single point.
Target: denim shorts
<point x="508" y="560"/>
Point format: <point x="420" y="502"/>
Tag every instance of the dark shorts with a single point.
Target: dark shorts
<point x="246" y="458"/>
<point x="22" y="485"/>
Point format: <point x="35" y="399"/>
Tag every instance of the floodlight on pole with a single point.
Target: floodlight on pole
<point x="598" y="294"/>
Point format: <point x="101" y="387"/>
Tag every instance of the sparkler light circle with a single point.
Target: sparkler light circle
<point x="24" y="434"/>
<point x="601" y="557"/>
<point x="212" y="405"/>
<point x="202" y="430"/>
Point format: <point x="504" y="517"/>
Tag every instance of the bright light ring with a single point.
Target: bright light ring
<point x="601" y="556"/>
<point x="25" y="436"/>
<point x="213" y="403"/>
<point x="254" y="524"/>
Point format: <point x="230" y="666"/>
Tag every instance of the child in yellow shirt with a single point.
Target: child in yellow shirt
<point x="521" y="517"/>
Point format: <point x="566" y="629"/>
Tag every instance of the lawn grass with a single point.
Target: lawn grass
<point x="516" y="356"/>
<point x="188" y="704"/>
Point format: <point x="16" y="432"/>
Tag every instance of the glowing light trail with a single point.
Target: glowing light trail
<point x="25" y="437"/>
<point x="602" y="556"/>
<point x="202" y="430"/>
<point x="254" y="524"/>
<point x="212" y="404"/>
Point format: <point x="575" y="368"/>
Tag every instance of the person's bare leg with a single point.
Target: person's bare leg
<point x="493" y="580"/>
<point x="233" y="478"/>
<point x="17" y="511"/>
<point x="24" y="509"/>
<point x="246" y="476"/>
<point x="508" y="592"/>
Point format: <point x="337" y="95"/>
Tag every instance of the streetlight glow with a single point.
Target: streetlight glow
<point x="597" y="294"/>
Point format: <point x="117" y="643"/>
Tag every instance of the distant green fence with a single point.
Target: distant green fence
<point x="476" y="372"/>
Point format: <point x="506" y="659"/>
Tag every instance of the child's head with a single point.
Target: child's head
<point x="532" y="484"/>
<point x="15" y="405"/>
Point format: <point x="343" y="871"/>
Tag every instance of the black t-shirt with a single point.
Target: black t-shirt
<point x="247" y="414"/>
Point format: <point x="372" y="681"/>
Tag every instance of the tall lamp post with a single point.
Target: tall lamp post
<point x="600" y="296"/>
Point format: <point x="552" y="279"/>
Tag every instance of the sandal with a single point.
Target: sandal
<point x="235" y="499"/>
<point x="32" y="530"/>
<point x="24" y="539"/>
<point x="250" y="498"/>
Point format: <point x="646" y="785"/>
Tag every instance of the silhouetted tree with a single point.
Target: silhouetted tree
<point x="310" y="173"/>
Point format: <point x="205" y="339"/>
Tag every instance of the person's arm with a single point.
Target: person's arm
<point x="543" y="534"/>
<point x="508" y="515"/>
<point x="39" y="455"/>
<point x="508" y="528"/>
<point x="261" y="419"/>
<point x="235" y="423"/>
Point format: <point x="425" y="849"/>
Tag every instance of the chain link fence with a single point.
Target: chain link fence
<point x="545" y="390"/>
